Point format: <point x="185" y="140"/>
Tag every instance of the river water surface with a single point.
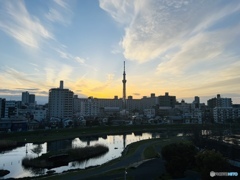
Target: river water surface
<point x="12" y="160"/>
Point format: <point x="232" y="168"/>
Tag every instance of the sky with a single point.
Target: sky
<point x="185" y="47"/>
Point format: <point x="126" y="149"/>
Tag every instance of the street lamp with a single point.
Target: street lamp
<point x="125" y="174"/>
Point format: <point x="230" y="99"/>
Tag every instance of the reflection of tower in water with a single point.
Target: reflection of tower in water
<point x="124" y="141"/>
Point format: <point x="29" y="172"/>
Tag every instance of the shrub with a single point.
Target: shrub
<point x="179" y="157"/>
<point x="210" y="160"/>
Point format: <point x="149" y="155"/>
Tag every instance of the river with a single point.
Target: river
<point x="12" y="160"/>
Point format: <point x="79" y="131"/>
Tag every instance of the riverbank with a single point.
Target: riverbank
<point x="7" y="145"/>
<point x="40" y="136"/>
<point x="134" y="156"/>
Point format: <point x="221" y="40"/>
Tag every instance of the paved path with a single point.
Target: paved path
<point x="125" y="162"/>
<point x="148" y="170"/>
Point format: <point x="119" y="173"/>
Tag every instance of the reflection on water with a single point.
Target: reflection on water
<point x="59" y="145"/>
<point x="35" y="171"/>
<point x="12" y="160"/>
<point x="206" y="132"/>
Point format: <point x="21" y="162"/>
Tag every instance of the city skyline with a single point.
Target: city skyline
<point x="186" y="48"/>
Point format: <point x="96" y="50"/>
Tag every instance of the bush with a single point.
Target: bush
<point x="210" y="160"/>
<point x="80" y="153"/>
<point x="179" y="157"/>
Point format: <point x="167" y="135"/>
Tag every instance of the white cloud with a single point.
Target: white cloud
<point x="64" y="54"/>
<point x="17" y="78"/>
<point x="120" y="10"/>
<point x="54" y="15"/>
<point x="55" y="71"/>
<point x="153" y="27"/>
<point x="60" y="12"/>
<point x="206" y="48"/>
<point x="80" y="60"/>
<point x="61" y="3"/>
<point x="17" y="23"/>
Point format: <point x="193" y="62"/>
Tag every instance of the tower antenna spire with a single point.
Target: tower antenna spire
<point x="124" y="86"/>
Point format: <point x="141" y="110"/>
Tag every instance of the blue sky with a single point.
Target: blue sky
<point x="185" y="47"/>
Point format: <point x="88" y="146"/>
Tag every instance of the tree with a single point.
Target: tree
<point x="37" y="149"/>
<point x="179" y="157"/>
<point x="210" y="160"/>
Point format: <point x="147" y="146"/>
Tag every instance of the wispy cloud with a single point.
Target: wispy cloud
<point x="16" y="76"/>
<point x="18" y="81"/>
<point x="121" y="11"/>
<point x="80" y="60"/>
<point x="62" y="3"/>
<point x="102" y="86"/>
<point x="83" y="62"/>
<point x="156" y="27"/>
<point x="59" y="12"/>
<point x="54" y="72"/>
<point x="16" y="21"/>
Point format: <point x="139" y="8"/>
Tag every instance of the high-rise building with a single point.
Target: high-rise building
<point x="60" y="103"/>
<point x="31" y="99"/>
<point x="28" y="99"/>
<point x="25" y="97"/>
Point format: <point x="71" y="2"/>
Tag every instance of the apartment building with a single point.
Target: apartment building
<point x="28" y="99"/>
<point x="167" y="101"/>
<point x="219" y="102"/>
<point x="60" y="102"/>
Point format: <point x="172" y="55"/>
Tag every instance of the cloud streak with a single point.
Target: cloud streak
<point x="156" y="27"/>
<point x="59" y="12"/>
<point x="16" y="21"/>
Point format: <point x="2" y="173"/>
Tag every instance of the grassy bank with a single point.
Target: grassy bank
<point x="7" y="145"/>
<point x="58" y="134"/>
<point x="132" y="148"/>
<point x="51" y="160"/>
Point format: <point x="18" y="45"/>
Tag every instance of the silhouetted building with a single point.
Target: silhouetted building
<point x="28" y="99"/>
<point x="31" y="98"/>
<point x="221" y="109"/>
<point x="2" y="107"/>
<point x="219" y="102"/>
<point x="25" y="97"/>
<point x="60" y="103"/>
<point x="167" y="101"/>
